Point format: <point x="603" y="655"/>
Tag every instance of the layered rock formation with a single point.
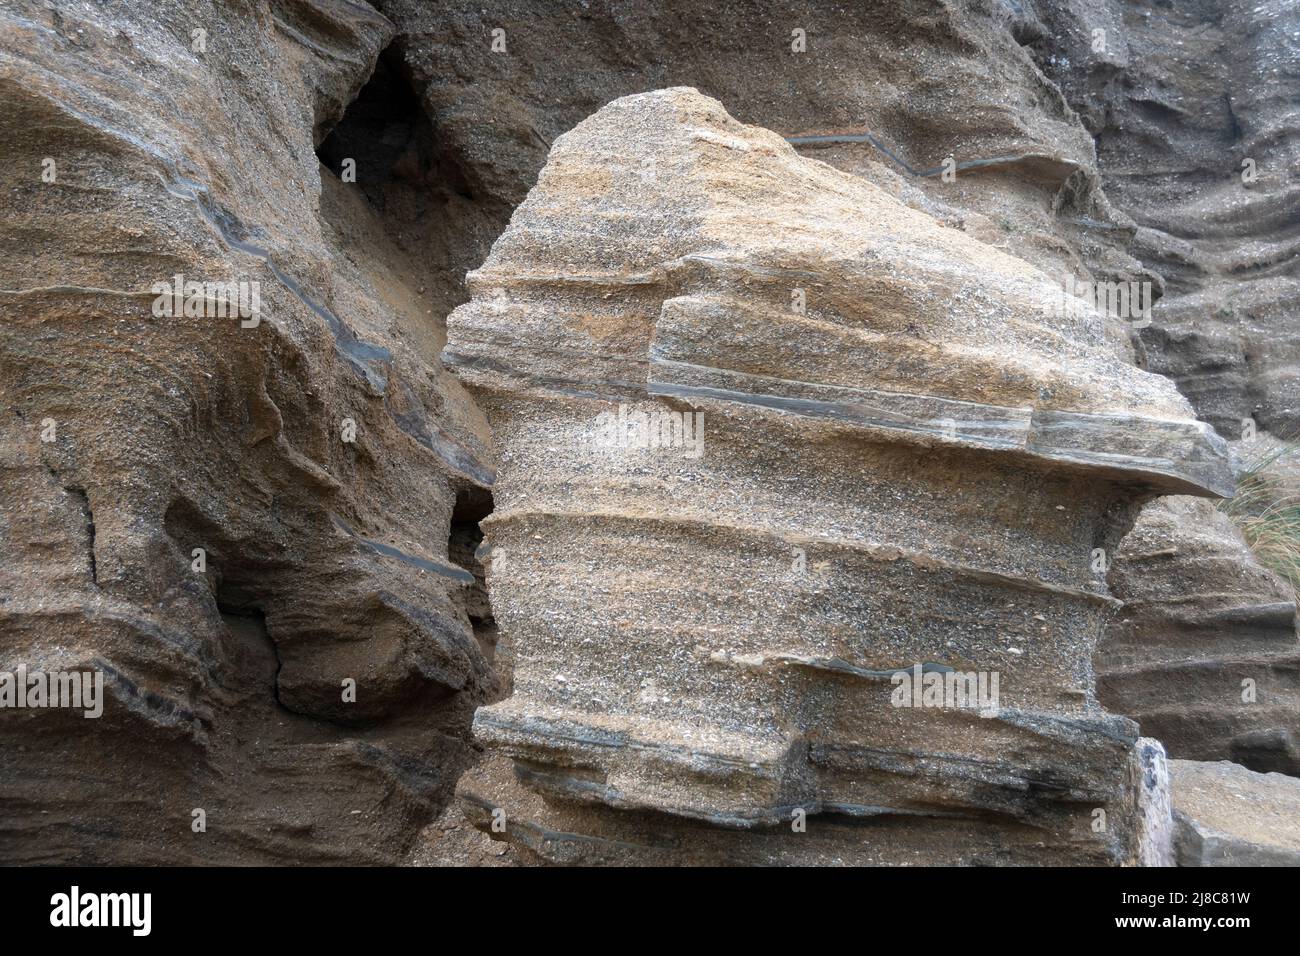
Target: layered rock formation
<point x="886" y="91"/>
<point x="1177" y="98"/>
<point x="1192" y="106"/>
<point x="151" y="140"/>
<point x="708" y="632"/>
<point x="1204" y="653"/>
<point x="229" y="517"/>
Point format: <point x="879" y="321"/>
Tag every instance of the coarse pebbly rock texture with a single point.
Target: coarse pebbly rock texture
<point x="356" y="161"/>
<point x="1037" y="112"/>
<point x="907" y="457"/>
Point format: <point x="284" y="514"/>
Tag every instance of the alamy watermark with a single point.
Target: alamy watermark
<point x="946" y="689"/>
<point x="208" y="300"/>
<point x="73" y="690"/>
<point x="659" y="428"/>
<point x="1128" y="301"/>
<point x="75" y="908"/>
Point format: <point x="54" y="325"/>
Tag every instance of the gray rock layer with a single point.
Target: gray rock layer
<point x="1193" y="109"/>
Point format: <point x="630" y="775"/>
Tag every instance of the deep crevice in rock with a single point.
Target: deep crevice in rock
<point x="83" y="501"/>
<point x="465" y="548"/>
<point x="387" y="150"/>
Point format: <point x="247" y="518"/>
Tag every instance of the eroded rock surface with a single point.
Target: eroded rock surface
<point x="886" y="91"/>
<point x="1226" y="815"/>
<point x="1193" y="109"/>
<point x="329" y="559"/>
<point x="1204" y="654"/>
<point x="130" y="439"/>
<point x="712" y="636"/>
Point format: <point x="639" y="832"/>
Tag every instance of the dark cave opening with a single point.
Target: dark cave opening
<point x="386" y="144"/>
<point x="393" y="175"/>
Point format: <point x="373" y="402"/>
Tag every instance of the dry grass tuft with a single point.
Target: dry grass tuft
<point x="1267" y="509"/>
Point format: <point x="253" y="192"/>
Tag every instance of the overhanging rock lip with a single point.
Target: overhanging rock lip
<point x="556" y="728"/>
<point x="1200" y="465"/>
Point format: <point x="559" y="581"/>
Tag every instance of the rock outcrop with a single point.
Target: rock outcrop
<point x="1191" y="107"/>
<point x="849" y="403"/>
<point x="1226" y="815"/>
<point x="1193" y="110"/>
<point x="887" y="92"/>
<point x="1204" y="653"/>
<point x="231" y="517"/>
<point x="228" y="516"/>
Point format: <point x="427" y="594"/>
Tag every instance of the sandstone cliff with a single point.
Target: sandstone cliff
<point x="262" y="530"/>
<point x="229" y="518"/>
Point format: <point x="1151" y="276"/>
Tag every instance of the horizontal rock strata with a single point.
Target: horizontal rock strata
<point x="1204" y="653"/>
<point x="908" y="459"/>
<point x="1193" y="111"/>
<point x="225" y="516"/>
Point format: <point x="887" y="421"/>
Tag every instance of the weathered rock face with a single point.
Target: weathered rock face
<point x="1204" y="653"/>
<point x="886" y="91"/>
<point x="1179" y="98"/>
<point x="708" y="629"/>
<point x="314" y="452"/>
<point x="1193" y="110"/>
<point x="1226" y="815"/>
<point x="150" y="140"/>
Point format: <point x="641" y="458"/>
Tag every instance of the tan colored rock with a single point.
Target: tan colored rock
<point x="325" y="555"/>
<point x="889" y="409"/>
<point x="130" y="438"/>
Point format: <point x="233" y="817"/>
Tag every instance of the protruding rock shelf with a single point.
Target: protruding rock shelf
<point x="910" y="457"/>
